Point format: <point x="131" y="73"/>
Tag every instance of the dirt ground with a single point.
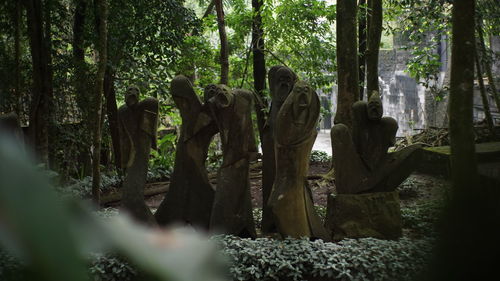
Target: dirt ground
<point x="418" y="187"/>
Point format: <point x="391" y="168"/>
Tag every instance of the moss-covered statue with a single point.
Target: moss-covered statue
<point x="361" y="161"/>
<point x="190" y="196"/>
<point x="294" y="134"/>
<point x="138" y="121"/>
<point x="232" y="209"/>
<point x="281" y="80"/>
<point x="366" y="175"/>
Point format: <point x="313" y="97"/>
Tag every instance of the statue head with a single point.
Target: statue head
<point x="132" y="96"/>
<point x="374" y="107"/>
<point x="220" y="95"/>
<point x="283" y="80"/>
<point x="303" y="96"/>
<point x="183" y="93"/>
<point x="209" y="92"/>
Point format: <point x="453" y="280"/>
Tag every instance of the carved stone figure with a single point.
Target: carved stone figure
<point x="10" y="125"/>
<point x="232" y="209"/>
<point x="190" y="196"/>
<point x="361" y="161"/>
<point x="281" y="80"/>
<point x="138" y="121"/>
<point x="295" y="131"/>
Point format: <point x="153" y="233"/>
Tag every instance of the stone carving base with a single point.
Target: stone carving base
<point x="376" y="215"/>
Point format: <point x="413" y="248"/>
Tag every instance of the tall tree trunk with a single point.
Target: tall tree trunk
<point x="486" y="63"/>
<point x="224" y="52"/>
<point x="474" y="205"/>
<point x="112" y="113"/>
<point x="373" y="45"/>
<point x="484" y="96"/>
<point x="463" y="162"/>
<point x="49" y="78"/>
<point x="347" y="60"/>
<point x="266" y="140"/>
<point x="17" y="57"/>
<point x="362" y="46"/>
<point x="102" y="9"/>
<point x="81" y="82"/>
<point x="79" y="57"/>
<point x="40" y="101"/>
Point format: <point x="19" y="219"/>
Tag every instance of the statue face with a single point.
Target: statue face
<point x="284" y="83"/>
<point x="374" y="108"/>
<point x="210" y="92"/>
<point x="302" y="100"/>
<point x="223" y="97"/>
<point x="132" y="96"/>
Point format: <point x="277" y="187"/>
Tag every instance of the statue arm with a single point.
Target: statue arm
<point x="126" y="148"/>
<point x="149" y="122"/>
<point x="390" y="126"/>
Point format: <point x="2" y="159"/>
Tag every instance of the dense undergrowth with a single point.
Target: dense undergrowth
<point x="288" y="259"/>
<point x="296" y="259"/>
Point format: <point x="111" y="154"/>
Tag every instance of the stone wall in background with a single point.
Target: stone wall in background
<point x="411" y="104"/>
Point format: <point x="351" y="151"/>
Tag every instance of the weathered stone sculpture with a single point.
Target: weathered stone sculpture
<point x="232" y="209"/>
<point x="361" y="161"/>
<point x="295" y="131"/>
<point x="10" y="126"/>
<point x="366" y="176"/>
<point x="190" y="196"/>
<point x="138" y="121"/>
<point x="281" y="80"/>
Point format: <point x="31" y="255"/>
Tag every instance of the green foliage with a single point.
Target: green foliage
<point x="164" y="156"/>
<point x="350" y="259"/>
<point x="320" y="157"/>
<point x="422" y="24"/>
<point x="421" y="219"/>
<point x="300" y="34"/>
<point x="111" y="268"/>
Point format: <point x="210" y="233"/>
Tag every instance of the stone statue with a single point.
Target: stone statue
<point x="138" y="121"/>
<point x="190" y="196"/>
<point x="281" y="80"/>
<point x="10" y="125"/>
<point x="295" y="131"/>
<point x="232" y="209"/>
<point x="361" y="161"/>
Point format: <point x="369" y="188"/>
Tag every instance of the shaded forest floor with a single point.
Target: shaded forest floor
<point x="421" y="196"/>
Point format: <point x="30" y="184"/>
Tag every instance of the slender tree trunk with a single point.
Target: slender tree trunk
<point x="484" y="96"/>
<point x="486" y="64"/>
<point x="224" y="52"/>
<point x="40" y="101"/>
<point x="17" y="57"/>
<point x="347" y="60"/>
<point x="79" y="57"/>
<point x="266" y="140"/>
<point x="209" y="10"/>
<point x="112" y="113"/>
<point x="49" y="77"/>
<point x="373" y="45"/>
<point x="362" y="46"/>
<point x="102" y="8"/>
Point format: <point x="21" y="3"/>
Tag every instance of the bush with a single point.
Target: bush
<point x="111" y="268"/>
<point x="320" y="157"/>
<point x="422" y="218"/>
<point x="351" y="259"/>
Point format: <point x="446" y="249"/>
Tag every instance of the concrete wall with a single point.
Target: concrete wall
<point x="412" y="105"/>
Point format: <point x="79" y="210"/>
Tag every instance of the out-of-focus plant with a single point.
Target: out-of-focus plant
<point x="52" y="236"/>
